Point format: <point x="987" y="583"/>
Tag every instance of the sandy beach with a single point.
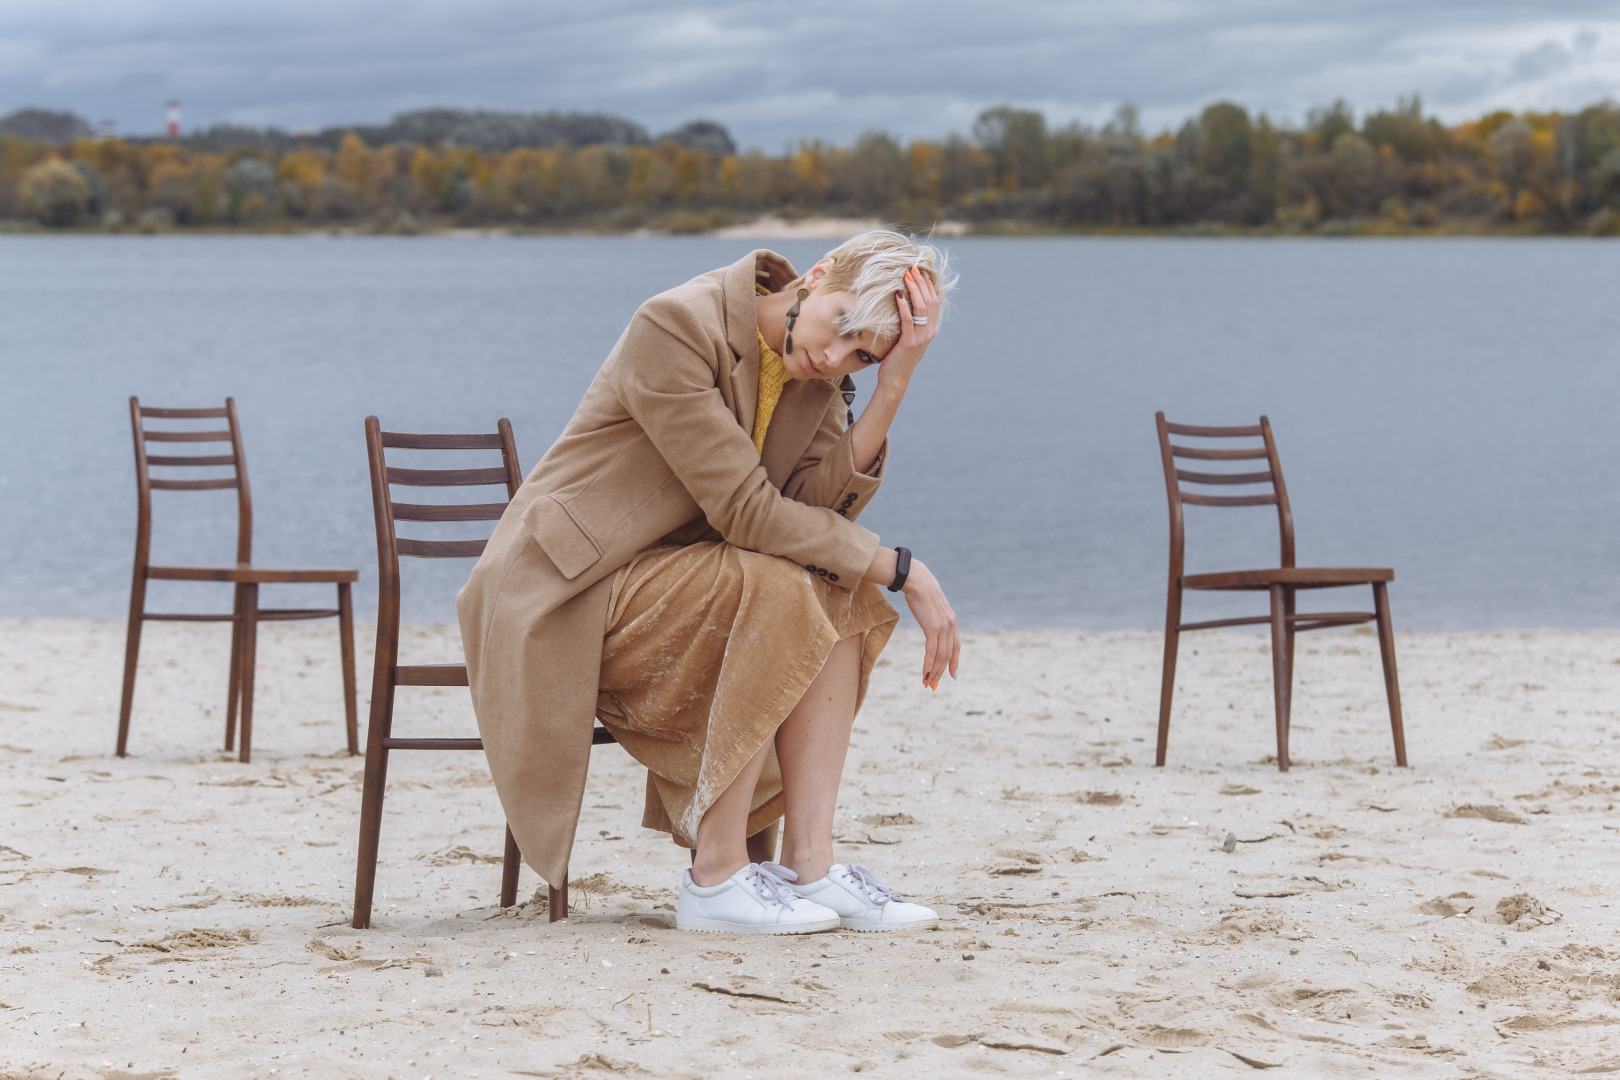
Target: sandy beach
<point x="821" y="227"/>
<point x="179" y="914"/>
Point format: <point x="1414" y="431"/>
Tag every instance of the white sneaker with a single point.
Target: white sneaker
<point x="754" y="900"/>
<point x="863" y="902"/>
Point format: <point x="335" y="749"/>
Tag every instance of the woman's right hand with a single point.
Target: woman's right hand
<point x="943" y="648"/>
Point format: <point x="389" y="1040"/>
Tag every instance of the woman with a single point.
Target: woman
<point x="684" y="564"/>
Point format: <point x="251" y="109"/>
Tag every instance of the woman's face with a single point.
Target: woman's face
<point x="819" y="350"/>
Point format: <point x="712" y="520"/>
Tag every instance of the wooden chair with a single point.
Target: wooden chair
<point x="1281" y="583"/>
<point x="243" y="575"/>
<point x="389" y="673"/>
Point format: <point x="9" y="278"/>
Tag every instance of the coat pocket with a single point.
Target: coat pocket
<point x="564" y="541"/>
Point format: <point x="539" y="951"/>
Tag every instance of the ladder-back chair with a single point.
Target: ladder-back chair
<point x="1282" y="583"/>
<point x="243" y="575"/>
<point x="389" y="673"/>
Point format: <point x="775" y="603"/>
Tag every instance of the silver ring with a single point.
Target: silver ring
<point x="919" y="320"/>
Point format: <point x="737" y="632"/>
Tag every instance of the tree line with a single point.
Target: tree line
<point x="1391" y="170"/>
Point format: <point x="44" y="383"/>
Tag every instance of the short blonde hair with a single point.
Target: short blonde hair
<point x="873" y="266"/>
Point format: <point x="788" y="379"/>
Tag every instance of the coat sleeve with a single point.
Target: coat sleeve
<point x="666" y="380"/>
<point x="826" y="475"/>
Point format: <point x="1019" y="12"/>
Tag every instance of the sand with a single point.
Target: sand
<point x="772" y="227"/>
<point x="179" y="914"/>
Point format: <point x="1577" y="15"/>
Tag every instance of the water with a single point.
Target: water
<point x="1443" y="407"/>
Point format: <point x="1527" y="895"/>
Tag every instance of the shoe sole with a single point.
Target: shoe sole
<point x="865" y="927"/>
<point x="720" y="926"/>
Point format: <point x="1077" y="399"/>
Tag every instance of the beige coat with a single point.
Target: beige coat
<point x="660" y="447"/>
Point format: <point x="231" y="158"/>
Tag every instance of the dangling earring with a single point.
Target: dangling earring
<point x="849" y="406"/>
<point x="793" y="313"/>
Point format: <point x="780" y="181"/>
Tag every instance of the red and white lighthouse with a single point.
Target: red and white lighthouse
<point x="173" y="111"/>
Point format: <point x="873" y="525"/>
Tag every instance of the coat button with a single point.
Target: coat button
<point x="832" y="577"/>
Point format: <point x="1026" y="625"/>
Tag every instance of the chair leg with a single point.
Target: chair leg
<point x="351" y="711"/>
<point x="1392" y="683"/>
<point x="1290" y="603"/>
<point x="1167" y="688"/>
<point x="557" y="902"/>
<point x="510" y="865"/>
<point x="250" y="645"/>
<point x="1290" y="609"/>
<point x="235" y="691"/>
<point x="762" y="845"/>
<point x="1280" y="675"/>
<point x="132" y="653"/>
<point x="380" y="723"/>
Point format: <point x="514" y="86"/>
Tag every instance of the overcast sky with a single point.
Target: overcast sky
<point x="776" y="71"/>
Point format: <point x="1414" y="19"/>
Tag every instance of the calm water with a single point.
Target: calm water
<point x="1445" y="407"/>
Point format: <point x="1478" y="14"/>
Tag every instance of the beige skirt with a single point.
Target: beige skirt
<point x="708" y="648"/>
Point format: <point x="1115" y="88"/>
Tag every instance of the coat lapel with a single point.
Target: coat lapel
<point x="794" y="424"/>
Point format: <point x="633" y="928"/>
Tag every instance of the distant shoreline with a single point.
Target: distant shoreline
<point x="814" y="227"/>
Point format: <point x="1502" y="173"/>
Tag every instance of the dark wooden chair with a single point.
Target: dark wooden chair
<point x="243" y="575"/>
<point x="390" y="674"/>
<point x="1282" y="583"/>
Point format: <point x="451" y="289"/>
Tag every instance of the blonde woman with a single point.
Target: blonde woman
<point x="685" y="565"/>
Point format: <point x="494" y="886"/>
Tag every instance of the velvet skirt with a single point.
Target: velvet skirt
<point x="707" y="649"/>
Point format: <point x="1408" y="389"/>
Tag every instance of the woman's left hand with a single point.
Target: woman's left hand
<point x="918" y="301"/>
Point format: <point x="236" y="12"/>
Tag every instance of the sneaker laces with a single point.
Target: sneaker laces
<point x="876" y="891"/>
<point x="772" y="880"/>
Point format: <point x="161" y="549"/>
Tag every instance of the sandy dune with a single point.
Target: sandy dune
<point x="179" y="914"/>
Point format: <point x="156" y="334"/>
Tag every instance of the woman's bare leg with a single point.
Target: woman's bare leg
<point x="722" y="842"/>
<point x="811" y="746"/>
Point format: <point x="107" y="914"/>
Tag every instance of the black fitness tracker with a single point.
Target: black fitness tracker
<point x="902" y="567"/>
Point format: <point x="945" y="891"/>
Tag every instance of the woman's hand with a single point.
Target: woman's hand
<point x="918" y="301"/>
<point x="943" y="648"/>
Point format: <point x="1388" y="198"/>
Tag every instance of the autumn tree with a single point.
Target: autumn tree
<point x="1015" y="140"/>
<point x="55" y="193"/>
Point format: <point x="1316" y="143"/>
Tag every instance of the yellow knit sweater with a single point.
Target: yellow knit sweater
<point x="772" y="377"/>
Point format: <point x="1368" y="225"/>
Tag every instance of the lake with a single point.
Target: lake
<point x="1445" y="407"/>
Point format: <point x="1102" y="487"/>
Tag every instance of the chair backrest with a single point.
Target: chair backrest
<point x="145" y="462"/>
<point x="1175" y="477"/>
<point x="390" y="545"/>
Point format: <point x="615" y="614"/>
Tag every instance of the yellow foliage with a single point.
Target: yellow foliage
<point x="1521" y="171"/>
<point x="55" y="192"/>
<point x="303" y="168"/>
<point x="694" y="170"/>
<point x="1487" y="125"/>
<point x="353" y="164"/>
<point x="728" y="177"/>
<point x="808" y="168"/>
<point x="425" y="170"/>
<point x="924" y="156"/>
<point x="525" y="181"/>
<point x="1528" y="206"/>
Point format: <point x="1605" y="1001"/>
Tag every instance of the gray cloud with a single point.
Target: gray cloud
<point x="1545" y="59"/>
<point x="775" y="72"/>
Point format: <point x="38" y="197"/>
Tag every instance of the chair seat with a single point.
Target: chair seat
<point x="254" y="574"/>
<point x="1300" y="577"/>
